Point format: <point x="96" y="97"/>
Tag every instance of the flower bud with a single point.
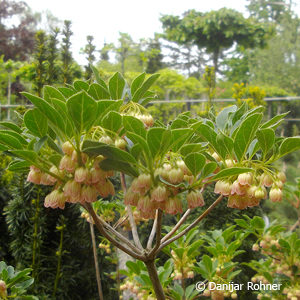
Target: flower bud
<point x="238" y="189"/>
<point x="106" y="140"/>
<point x="72" y="190"/>
<point x="216" y="156"/>
<point x="182" y="166"/>
<point x="120" y="143"/>
<point x="260" y="193"/>
<point x="281" y="176"/>
<point x="255" y="247"/>
<point x="81" y="174"/>
<point x="67" y="148"/>
<point x="223" y="187"/>
<point x="275" y="194"/>
<point x="267" y="180"/>
<point x="144" y="204"/>
<point x="195" y="199"/>
<point x="229" y="163"/>
<point x="97" y="161"/>
<point x="55" y="199"/>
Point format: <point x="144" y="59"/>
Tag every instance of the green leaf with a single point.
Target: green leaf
<point x="134" y="125"/>
<point x="80" y="85"/>
<point x="289" y="145"/>
<point x="110" y="164"/>
<point x="245" y="134"/>
<point x="230" y="172"/>
<point x="105" y="106"/>
<point x="10" y="141"/>
<point x="226" y="142"/>
<point x="209" y="135"/>
<point x="108" y="151"/>
<point x="140" y="92"/>
<point x="191" y="148"/>
<point x="207" y="263"/>
<point x="222" y="117"/>
<point x="266" y="139"/>
<point x="112" y="121"/>
<point x="83" y="110"/>
<point x="180" y="136"/>
<point x="136" y="139"/>
<point x="159" y="140"/>
<point x="11" y="126"/>
<point x="48" y="111"/>
<point x="116" y="86"/>
<point x="51" y="92"/>
<point x="98" y="92"/>
<point x="36" y="122"/>
<point x="27" y="155"/>
<point x="195" y="162"/>
<point x="137" y="82"/>
<point x="275" y="121"/>
<point x="16" y="135"/>
<point x="98" y="78"/>
<point x="67" y="92"/>
<point x="208" y="169"/>
<point x="18" y="166"/>
<point x="257" y="223"/>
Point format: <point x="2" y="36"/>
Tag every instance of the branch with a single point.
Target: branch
<point x="155" y="250"/>
<point x="103" y="226"/>
<point x="131" y="218"/>
<point x="295" y="225"/>
<point x="191" y="226"/>
<point x="177" y="226"/>
<point x="151" y="237"/>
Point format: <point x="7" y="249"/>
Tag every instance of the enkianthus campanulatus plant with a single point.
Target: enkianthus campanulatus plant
<point x="77" y="137"/>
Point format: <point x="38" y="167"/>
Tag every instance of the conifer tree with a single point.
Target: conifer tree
<point x="66" y="52"/>
<point x="89" y="50"/>
<point x="53" y="71"/>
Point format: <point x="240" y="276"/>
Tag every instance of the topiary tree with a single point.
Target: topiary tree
<point x="76" y="137"/>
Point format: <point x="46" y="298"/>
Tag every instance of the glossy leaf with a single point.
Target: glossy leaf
<point x="27" y="155"/>
<point x="105" y="106"/>
<point x="67" y="92"/>
<point x="16" y="135"/>
<point x="190" y="148"/>
<point x="18" y="166"/>
<point x="209" y="169"/>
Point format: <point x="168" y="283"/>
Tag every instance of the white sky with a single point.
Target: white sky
<point x="104" y="19"/>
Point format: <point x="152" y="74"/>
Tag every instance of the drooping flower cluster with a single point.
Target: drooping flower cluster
<point x="138" y="111"/>
<point x="135" y="287"/>
<point x="148" y="196"/>
<point x="85" y="180"/>
<point x="281" y="264"/>
<point x="183" y="267"/>
<point x="248" y="190"/>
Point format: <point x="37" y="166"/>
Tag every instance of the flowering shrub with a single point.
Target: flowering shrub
<point x="77" y="137"/>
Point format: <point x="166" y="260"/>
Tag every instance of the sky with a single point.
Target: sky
<point x="105" y="19"/>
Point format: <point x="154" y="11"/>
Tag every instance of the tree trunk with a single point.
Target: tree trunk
<point x="155" y="280"/>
